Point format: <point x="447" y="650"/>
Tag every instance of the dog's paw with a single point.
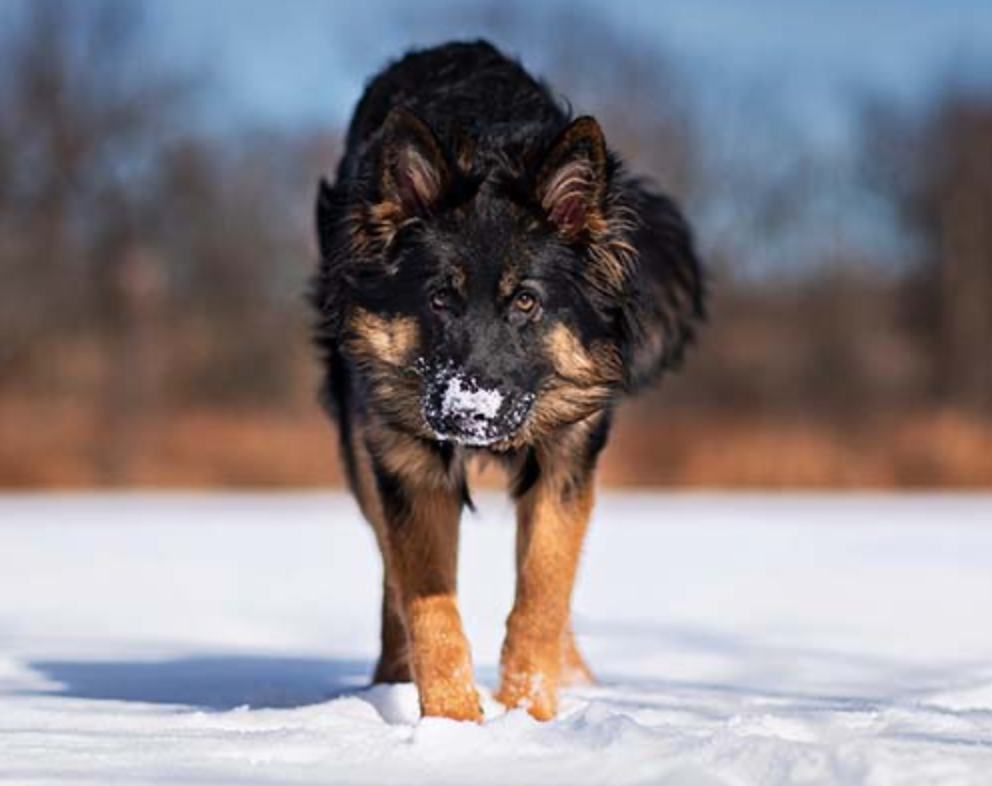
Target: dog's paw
<point x="452" y="699"/>
<point x="531" y="686"/>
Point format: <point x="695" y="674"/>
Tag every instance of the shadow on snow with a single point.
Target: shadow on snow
<point x="212" y="682"/>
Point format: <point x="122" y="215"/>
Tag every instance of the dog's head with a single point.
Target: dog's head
<point x="487" y="301"/>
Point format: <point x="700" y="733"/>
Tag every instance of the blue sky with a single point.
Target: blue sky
<point x="306" y="60"/>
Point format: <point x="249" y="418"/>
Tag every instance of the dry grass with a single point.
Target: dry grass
<point x="46" y="446"/>
<point x="906" y="450"/>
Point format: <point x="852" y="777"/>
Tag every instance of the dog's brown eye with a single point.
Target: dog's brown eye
<point x="525" y="302"/>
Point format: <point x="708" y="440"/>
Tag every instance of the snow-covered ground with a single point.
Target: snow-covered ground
<point x="738" y="639"/>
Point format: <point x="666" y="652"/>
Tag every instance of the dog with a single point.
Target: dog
<point x="491" y="283"/>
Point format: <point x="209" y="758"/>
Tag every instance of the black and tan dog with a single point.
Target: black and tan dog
<point x="491" y="282"/>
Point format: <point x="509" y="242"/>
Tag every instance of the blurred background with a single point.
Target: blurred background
<point x="158" y="162"/>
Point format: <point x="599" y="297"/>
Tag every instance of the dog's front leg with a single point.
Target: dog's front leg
<point x="420" y="545"/>
<point x="552" y="518"/>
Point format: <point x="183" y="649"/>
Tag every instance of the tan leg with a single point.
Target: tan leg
<point x="552" y="518"/>
<point x="415" y="510"/>
<point x="422" y="551"/>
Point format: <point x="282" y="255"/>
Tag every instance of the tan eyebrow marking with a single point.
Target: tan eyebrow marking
<point x="459" y="279"/>
<point x="509" y="282"/>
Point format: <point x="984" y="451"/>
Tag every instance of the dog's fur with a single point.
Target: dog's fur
<point x="491" y="283"/>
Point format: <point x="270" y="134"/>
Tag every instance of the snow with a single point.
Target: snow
<point x="183" y="639"/>
<point x="460" y="397"/>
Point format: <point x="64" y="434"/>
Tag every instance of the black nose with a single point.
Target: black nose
<point x="472" y="411"/>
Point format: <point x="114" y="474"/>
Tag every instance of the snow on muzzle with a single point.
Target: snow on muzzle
<point x="463" y="408"/>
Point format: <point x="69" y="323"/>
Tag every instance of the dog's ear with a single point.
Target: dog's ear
<point x="571" y="178"/>
<point x="414" y="172"/>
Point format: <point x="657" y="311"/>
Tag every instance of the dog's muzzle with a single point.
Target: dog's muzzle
<point x="462" y="408"/>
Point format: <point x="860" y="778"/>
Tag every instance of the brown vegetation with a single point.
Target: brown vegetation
<point x="61" y="446"/>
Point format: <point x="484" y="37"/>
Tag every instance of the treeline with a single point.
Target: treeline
<point x="152" y="264"/>
<point x="131" y="237"/>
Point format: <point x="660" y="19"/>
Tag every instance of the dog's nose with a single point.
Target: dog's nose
<point x="472" y="411"/>
<point x="470" y="405"/>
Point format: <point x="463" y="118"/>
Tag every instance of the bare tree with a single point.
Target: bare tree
<point x="934" y="166"/>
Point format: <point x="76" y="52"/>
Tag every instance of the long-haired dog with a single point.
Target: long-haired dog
<point x="491" y="283"/>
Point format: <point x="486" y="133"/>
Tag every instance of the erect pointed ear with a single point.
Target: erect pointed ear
<point x="571" y="179"/>
<point x="414" y="172"/>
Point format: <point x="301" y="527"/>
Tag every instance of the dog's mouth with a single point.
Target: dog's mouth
<point x="461" y="409"/>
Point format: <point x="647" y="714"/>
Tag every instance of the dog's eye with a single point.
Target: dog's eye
<point x="441" y="300"/>
<point x="525" y="302"/>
